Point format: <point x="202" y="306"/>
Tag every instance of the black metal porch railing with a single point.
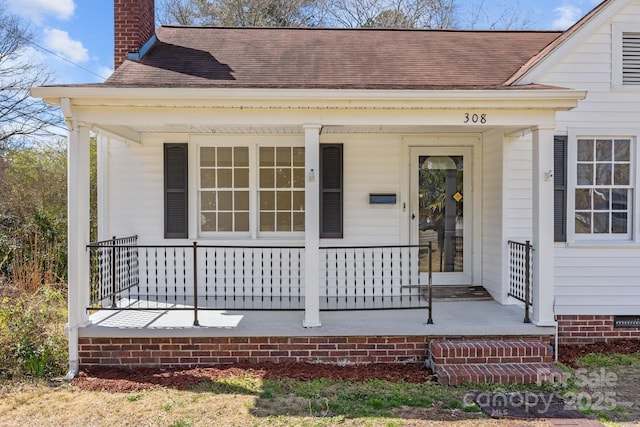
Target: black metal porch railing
<point x="375" y="277"/>
<point x="114" y="269"/>
<point x="520" y="274"/>
<point x="126" y="276"/>
<point x="184" y="277"/>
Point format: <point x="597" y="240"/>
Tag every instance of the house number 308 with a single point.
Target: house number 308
<point x="475" y="118"/>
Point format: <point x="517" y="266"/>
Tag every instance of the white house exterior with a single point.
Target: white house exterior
<point x="598" y="273"/>
<point x="251" y="122"/>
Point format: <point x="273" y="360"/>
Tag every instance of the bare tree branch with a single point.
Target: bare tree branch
<point x="511" y="17"/>
<point x="20" y="115"/>
<point x="242" y="13"/>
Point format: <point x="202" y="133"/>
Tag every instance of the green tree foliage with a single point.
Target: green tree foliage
<point x="33" y="213"/>
<point x="33" y="224"/>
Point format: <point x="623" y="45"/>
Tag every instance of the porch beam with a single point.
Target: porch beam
<point x="172" y="118"/>
<point x="124" y="133"/>
<point x="78" y="235"/>
<point x="312" y="226"/>
<point x="543" y="254"/>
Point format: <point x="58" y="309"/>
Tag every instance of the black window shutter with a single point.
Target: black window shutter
<point x="331" y="191"/>
<point x="176" y="218"/>
<point x="560" y="188"/>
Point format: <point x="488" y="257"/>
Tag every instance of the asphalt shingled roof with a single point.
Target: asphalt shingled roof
<point x="210" y="57"/>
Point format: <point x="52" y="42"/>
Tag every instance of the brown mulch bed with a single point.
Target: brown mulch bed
<point x="124" y="380"/>
<point x="568" y="354"/>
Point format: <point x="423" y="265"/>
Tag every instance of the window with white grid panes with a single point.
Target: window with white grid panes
<point x="281" y="189"/>
<point x="604" y="188"/>
<point x="224" y="189"/>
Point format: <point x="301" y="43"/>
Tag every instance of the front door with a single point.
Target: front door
<point x="441" y="211"/>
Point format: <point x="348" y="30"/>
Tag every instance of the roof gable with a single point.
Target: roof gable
<point x="331" y="58"/>
<point x="539" y="64"/>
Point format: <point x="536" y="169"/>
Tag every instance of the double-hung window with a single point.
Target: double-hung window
<point x="604" y="188"/>
<point x="250" y="190"/>
<point x="224" y="189"/>
<point x="253" y="190"/>
<point x="281" y="189"/>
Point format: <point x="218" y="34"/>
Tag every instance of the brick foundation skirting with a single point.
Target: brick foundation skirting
<point x="189" y="352"/>
<point x="207" y="351"/>
<point x="589" y="329"/>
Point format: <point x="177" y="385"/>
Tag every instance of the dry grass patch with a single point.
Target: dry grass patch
<point x="63" y="405"/>
<point x="43" y="405"/>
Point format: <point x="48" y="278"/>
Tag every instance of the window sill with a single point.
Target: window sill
<point x="602" y="245"/>
<point x="249" y="242"/>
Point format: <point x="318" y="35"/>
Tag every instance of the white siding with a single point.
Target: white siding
<point x="136" y="191"/>
<point x="598" y="279"/>
<point x="371" y="165"/>
<point x="519" y="188"/>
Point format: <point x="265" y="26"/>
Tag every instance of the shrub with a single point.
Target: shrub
<point x="32" y="340"/>
<point x="33" y="214"/>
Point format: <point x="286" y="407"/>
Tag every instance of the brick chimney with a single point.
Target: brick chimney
<point x="134" y="24"/>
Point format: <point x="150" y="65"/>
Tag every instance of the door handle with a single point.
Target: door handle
<point x="413" y="216"/>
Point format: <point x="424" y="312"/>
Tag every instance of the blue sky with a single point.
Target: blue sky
<point x="81" y="31"/>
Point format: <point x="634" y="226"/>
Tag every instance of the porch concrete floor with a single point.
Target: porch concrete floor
<point x="451" y="318"/>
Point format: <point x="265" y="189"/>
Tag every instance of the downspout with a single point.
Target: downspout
<point x="556" y="343"/>
<point x="71" y="328"/>
<point x="555" y="317"/>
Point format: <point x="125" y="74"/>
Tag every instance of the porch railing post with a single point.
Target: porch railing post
<point x="195" y="284"/>
<point x="527" y="280"/>
<point x="113" y="273"/>
<point x="430" y="319"/>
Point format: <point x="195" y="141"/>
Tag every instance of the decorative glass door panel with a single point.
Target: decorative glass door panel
<point x="439" y="212"/>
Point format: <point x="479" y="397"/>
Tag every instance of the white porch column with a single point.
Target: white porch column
<point x="103" y="168"/>
<point x="78" y="235"/>
<point x="543" y="254"/>
<point x="312" y="226"/>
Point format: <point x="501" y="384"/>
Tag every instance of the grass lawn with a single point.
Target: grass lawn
<point x="247" y="400"/>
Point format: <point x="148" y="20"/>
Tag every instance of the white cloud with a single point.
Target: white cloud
<point x="567" y="16"/>
<point x="59" y="42"/>
<point x="37" y="9"/>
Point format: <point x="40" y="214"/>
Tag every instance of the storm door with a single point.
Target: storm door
<point x="441" y="211"/>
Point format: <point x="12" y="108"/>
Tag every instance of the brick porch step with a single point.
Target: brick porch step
<point x="489" y="351"/>
<point x="506" y="373"/>
<point x="508" y="361"/>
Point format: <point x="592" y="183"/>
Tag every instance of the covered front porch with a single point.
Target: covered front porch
<point x="370" y="278"/>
